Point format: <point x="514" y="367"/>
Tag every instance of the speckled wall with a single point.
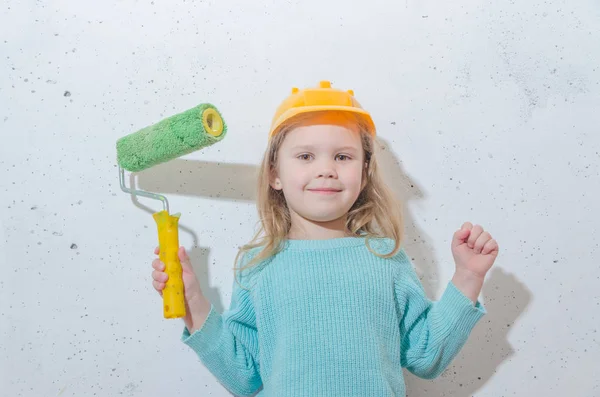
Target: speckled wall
<point x="487" y="111"/>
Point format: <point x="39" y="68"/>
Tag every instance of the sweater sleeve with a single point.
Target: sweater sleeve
<point x="432" y="333"/>
<point x="227" y="344"/>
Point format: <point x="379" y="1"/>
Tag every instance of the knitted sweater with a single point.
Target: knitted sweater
<point x="330" y="318"/>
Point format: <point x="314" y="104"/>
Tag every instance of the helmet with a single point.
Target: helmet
<point x="319" y="99"/>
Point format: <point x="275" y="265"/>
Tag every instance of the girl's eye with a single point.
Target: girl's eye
<point x="307" y="156"/>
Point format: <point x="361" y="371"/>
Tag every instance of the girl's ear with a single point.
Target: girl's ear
<point x="274" y="180"/>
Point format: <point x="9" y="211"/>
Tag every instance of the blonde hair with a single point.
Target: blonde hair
<point x="376" y="213"/>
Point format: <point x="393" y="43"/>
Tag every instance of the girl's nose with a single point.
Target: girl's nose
<point x="327" y="170"/>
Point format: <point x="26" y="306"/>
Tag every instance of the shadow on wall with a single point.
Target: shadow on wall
<point x="505" y="297"/>
<point x="416" y="244"/>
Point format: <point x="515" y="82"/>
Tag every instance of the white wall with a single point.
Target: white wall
<point x="489" y="112"/>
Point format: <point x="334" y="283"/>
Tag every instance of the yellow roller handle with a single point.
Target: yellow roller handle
<point x="168" y="240"/>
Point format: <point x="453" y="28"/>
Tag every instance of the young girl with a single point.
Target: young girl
<point x="325" y="301"/>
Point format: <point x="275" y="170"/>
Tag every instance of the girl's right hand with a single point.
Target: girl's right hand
<point x="197" y="307"/>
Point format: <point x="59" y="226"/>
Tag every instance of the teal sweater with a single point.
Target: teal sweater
<point x="329" y="318"/>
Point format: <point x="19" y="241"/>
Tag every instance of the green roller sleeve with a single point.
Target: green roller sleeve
<point x="173" y="137"/>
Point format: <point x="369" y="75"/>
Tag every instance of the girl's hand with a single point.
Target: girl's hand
<point x="197" y="307"/>
<point x="474" y="254"/>
<point x="474" y="250"/>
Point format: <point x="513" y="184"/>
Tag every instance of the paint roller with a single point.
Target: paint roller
<point x="173" y="137"/>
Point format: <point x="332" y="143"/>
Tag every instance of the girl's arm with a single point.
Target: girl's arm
<point x="227" y="343"/>
<point x="432" y="333"/>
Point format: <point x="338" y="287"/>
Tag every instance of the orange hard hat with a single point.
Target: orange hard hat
<point x="319" y="99"/>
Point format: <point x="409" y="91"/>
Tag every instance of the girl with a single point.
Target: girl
<point x="325" y="301"/>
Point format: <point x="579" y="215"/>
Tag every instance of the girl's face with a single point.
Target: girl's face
<point x="320" y="169"/>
